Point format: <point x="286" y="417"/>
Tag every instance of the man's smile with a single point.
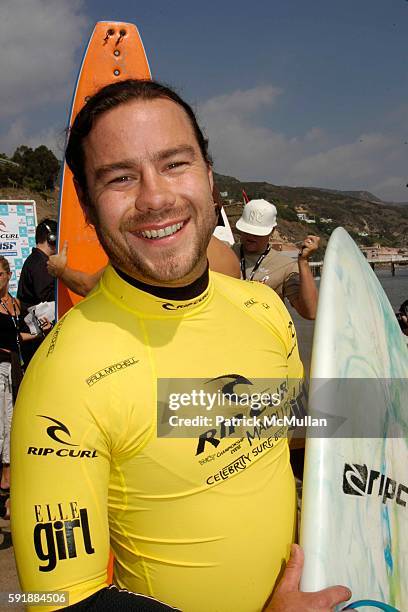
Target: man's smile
<point x="161" y="232"/>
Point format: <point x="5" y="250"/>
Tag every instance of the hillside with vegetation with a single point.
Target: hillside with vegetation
<point x="368" y="220"/>
<point x="32" y="169"/>
<point x="31" y="174"/>
<point x="46" y="201"/>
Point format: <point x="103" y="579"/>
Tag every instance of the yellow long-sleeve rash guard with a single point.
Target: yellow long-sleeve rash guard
<point x="201" y="523"/>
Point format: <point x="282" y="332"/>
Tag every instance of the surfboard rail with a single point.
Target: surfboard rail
<point x="354" y="529"/>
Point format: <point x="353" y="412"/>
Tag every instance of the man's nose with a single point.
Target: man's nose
<point x="155" y="191"/>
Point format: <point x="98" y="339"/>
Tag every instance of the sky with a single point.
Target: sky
<point x="291" y="92"/>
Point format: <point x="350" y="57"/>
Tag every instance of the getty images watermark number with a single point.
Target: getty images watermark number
<point x="36" y="598"/>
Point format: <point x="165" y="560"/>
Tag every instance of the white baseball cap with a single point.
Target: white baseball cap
<point x="258" y="218"/>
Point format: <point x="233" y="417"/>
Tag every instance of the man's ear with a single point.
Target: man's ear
<point x="210" y="177"/>
<point x="217" y="206"/>
<point x="87" y="208"/>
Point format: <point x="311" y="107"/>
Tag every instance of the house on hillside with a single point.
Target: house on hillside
<point x="377" y="251"/>
<point x="304" y="217"/>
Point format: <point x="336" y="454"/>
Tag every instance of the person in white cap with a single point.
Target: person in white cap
<point x="290" y="279"/>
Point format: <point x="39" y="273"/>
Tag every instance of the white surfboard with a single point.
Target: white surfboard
<point x="354" y="526"/>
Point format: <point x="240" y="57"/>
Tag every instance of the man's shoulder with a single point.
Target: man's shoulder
<point x="257" y="301"/>
<point x="241" y="292"/>
<point x="36" y="256"/>
<point x="81" y="313"/>
<point x="27" y="261"/>
<point x="79" y="335"/>
<point x="37" y="253"/>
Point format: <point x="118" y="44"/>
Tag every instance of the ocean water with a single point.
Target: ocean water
<point x="396" y="288"/>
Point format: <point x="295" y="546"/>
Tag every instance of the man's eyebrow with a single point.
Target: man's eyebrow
<point x="129" y="164"/>
<point x="179" y="150"/>
<point x="124" y="164"/>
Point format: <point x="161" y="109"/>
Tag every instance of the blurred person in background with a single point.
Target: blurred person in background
<point x="36" y="284"/>
<point x="290" y="279"/>
<point x="402" y="317"/>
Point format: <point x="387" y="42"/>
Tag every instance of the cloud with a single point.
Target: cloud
<point x="238" y="143"/>
<point x="244" y="148"/>
<point x="19" y="133"/>
<point x="242" y="101"/>
<point x="317" y="135"/>
<point x="39" y="40"/>
<point x="356" y="161"/>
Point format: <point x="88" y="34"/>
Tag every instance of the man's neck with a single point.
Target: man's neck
<point x="44" y="248"/>
<point x="146" y="281"/>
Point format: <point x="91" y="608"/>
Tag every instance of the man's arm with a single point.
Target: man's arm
<point x="80" y="282"/>
<point x="77" y="281"/>
<point x="60" y="470"/>
<point x="222" y="258"/>
<point x="306" y="300"/>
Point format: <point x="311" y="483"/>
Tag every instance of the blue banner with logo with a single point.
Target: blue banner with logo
<point x="18" y="220"/>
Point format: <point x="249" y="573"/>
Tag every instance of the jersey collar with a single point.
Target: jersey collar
<point x="166" y="304"/>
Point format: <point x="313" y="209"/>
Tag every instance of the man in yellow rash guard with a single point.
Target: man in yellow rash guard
<point x="202" y="523"/>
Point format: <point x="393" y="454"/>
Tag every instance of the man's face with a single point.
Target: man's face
<point x="150" y="191"/>
<point x="254" y="244"/>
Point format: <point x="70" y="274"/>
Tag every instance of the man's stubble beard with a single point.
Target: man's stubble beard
<point x="171" y="266"/>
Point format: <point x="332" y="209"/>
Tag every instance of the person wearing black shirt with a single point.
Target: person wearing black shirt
<point x="36" y="285"/>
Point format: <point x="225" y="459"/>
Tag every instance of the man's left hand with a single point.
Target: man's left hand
<point x="57" y="263"/>
<point x="288" y="598"/>
<point x="309" y="246"/>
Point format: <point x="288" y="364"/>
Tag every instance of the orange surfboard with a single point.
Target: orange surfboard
<point x="115" y="52"/>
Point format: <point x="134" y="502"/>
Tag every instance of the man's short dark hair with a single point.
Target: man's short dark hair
<point x="110" y="97"/>
<point x="45" y="229"/>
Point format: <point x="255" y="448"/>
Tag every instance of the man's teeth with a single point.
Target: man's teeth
<point x="164" y="231"/>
